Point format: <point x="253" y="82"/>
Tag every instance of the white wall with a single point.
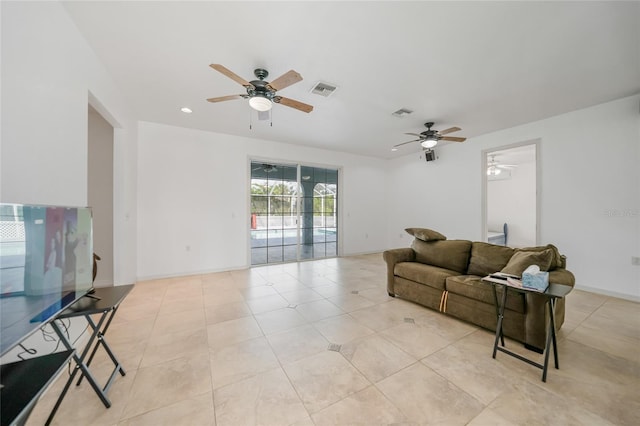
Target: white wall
<point x="193" y="211"/>
<point x="590" y="196"/>
<point x="513" y="201"/>
<point x="49" y="73"/>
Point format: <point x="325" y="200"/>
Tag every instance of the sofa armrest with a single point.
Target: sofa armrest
<point x="562" y="276"/>
<point x="392" y="257"/>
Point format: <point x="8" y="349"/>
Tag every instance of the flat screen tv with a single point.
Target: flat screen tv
<point x="46" y="264"/>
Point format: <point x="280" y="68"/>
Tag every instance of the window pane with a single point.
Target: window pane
<point x="258" y="256"/>
<point x="331" y="234"/>
<point x="290" y="253"/>
<point x="318" y="251"/>
<point x="274" y="254"/>
<point x="331" y="249"/>
<point x="306" y="251"/>
<point x="258" y="238"/>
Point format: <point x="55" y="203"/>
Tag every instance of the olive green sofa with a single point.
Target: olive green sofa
<point x="446" y="275"/>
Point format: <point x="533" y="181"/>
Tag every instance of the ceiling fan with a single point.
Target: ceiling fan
<point x="429" y="138"/>
<point x="267" y="168"/>
<point x="261" y="93"/>
<point x="494" y="168"/>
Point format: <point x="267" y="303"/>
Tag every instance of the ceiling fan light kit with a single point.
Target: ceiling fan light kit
<point x="430" y="142"/>
<point x="260" y="103"/>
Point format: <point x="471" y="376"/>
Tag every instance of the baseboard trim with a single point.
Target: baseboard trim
<point x="188" y="274"/>
<point x="608" y="293"/>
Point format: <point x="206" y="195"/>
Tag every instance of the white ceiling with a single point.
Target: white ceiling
<point x="482" y="66"/>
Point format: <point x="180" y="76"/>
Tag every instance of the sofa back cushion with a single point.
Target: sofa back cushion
<point x="447" y="254"/>
<point x="488" y="258"/>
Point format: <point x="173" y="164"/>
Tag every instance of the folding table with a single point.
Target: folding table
<point x="104" y="303"/>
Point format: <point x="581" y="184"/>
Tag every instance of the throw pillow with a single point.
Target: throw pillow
<point x="425" y="234"/>
<point x="556" y="258"/>
<point x="521" y="260"/>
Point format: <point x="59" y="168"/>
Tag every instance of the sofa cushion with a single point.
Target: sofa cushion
<point x="447" y="254"/>
<point x="488" y="258"/>
<point x="521" y="260"/>
<point x="425" y="234"/>
<point x="431" y="276"/>
<point x="473" y="287"/>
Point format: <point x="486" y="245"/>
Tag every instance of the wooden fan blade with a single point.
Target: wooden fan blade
<point x="453" y="139"/>
<point x="233" y="76"/>
<point x="413" y="134"/>
<point x="225" y="98"/>
<point x="450" y="130"/>
<point x="293" y="104"/>
<point x="285" y="80"/>
<point x="404" y="143"/>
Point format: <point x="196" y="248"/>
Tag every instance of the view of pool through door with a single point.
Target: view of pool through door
<point x="294" y="211"/>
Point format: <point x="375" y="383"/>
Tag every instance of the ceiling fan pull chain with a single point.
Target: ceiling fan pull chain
<point x="250" y="120"/>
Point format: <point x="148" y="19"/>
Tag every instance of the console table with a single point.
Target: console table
<point x="553" y="292"/>
<point x="104" y="302"/>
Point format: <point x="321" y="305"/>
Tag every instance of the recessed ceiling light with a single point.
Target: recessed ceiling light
<point x="186" y="110"/>
<point x="394" y="149"/>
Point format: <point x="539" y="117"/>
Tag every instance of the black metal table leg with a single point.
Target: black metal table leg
<point x="80" y="366"/>
<point x="499" y="325"/>
<point x="495" y="300"/>
<point x="551" y="340"/>
<point x="101" y="341"/>
<point x="552" y="318"/>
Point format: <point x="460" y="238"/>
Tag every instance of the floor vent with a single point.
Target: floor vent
<point x="355" y="292"/>
<point x="334" y="347"/>
<point x="409" y="320"/>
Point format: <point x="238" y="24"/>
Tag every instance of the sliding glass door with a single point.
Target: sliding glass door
<point x="293" y="213"/>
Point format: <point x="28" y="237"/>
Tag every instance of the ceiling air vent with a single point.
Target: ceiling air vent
<point x="402" y="112"/>
<point x="323" y="89"/>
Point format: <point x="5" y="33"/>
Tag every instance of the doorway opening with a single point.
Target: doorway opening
<point x="294" y="211"/>
<point x="511" y="189"/>
<point x="100" y="136"/>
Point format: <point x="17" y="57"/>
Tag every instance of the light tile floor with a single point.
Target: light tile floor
<point x="252" y="347"/>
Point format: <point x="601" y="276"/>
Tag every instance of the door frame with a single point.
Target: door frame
<point x="484" y="154"/>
